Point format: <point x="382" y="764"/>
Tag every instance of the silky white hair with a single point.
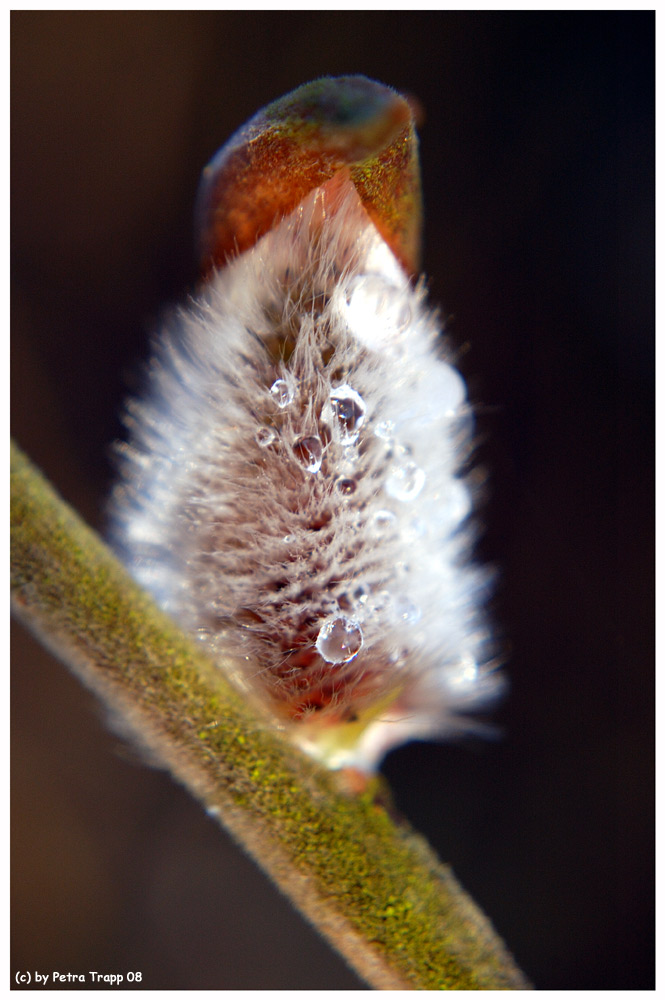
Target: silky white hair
<point x="292" y="491"/>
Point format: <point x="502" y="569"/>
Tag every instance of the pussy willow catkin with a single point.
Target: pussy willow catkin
<point x="292" y="490"/>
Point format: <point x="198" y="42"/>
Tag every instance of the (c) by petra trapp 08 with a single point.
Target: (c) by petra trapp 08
<point x="292" y="492"/>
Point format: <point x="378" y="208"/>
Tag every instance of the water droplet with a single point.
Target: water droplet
<point x="339" y="640"/>
<point x="415" y="529"/>
<point x="309" y="452"/>
<point x="385" y="430"/>
<point x="347" y="487"/>
<point x="403" y="316"/>
<point x="370" y="287"/>
<point x="464" y="674"/>
<point x="384" y="521"/>
<point x="345" y="413"/>
<point x="381" y="602"/>
<point x="448" y="387"/>
<point x="457" y="502"/>
<point x="376" y="309"/>
<point x="405" y="481"/>
<point x="289" y="539"/>
<point x="282" y="392"/>
<point x="406" y="611"/>
<point x="265" y="436"/>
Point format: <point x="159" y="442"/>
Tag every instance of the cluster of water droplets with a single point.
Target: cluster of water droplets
<point x="282" y="392"/>
<point x="343" y="413"/>
<point x="377" y="313"/>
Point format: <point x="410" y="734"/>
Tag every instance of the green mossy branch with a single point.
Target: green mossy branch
<point x="372" y="887"/>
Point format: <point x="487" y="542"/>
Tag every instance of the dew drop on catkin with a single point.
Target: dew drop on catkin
<point x="291" y="492"/>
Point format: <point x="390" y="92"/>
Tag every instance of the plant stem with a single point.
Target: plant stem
<point x="371" y="886"/>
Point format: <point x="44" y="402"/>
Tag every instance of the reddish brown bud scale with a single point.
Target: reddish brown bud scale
<point x="350" y="126"/>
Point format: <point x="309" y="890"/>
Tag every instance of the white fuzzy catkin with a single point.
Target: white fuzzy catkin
<point x="292" y="493"/>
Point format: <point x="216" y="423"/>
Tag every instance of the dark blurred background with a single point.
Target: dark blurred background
<point x="537" y="160"/>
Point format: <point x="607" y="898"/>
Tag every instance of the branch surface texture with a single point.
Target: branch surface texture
<point x="372" y="887"/>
